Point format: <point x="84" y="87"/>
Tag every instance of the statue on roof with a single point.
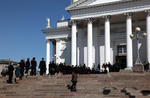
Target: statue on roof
<point x="63" y="18"/>
<point x="48" y="23"/>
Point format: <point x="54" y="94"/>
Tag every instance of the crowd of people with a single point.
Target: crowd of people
<point x="22" y="69"/>
<point x="67" y="69"/>
<point x="83" y="69"/>
<point x="26" y="68"/>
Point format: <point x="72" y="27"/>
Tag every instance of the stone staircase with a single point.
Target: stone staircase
<point x="112" y="85"/>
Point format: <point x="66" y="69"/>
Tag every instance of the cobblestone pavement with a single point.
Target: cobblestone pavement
<point x="112" y="85"/>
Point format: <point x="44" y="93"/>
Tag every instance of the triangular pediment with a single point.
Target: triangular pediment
<point x="90" y="3"/>
<point x="104" y="1"/>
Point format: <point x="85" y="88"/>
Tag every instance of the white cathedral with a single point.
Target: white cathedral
<point x="101" y="31"/>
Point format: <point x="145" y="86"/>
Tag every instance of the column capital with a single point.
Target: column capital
<point x="128" y="14"/>
<point x="148" y="12"/>
<point x="107" y="17"/>
<point x="90" y="20"/>
<point x="60" y="39"/>
<point x="47" y="40"/>
<point x="73" y="21"/>
<point x="57" y="39"/>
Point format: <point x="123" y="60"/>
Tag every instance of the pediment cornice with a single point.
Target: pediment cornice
<point x="75" y="4"/>
<point x="112" y="9"/>
<point x="81" y="4"/>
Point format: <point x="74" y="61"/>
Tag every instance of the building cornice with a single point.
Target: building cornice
<point x="57" y="33"/>
<point x="101" y="11"/>
<point x="75" y="6"/>
<point x="56" y="30"/>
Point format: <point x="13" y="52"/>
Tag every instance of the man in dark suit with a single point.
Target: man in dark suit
<point x="22" y="65"/>
<point x="10" y="72"/>
<point x="27" y="66"/>
<point x="42" y="67"/>
<point x="33" y="66"/>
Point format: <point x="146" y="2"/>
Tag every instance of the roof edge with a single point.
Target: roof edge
<point x="71" y="7"/>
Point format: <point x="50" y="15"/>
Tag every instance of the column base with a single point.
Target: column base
<point x="129" y="69"/>
<point x="138" y="68"/>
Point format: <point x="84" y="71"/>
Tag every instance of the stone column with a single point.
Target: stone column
<point x="107" y="39"/>
<point x="57" y="51"/>
<point x="129" y="41"/>
<point x="47" y="55"/>
<point x="90" y="44"/>
<point x="54" y="50"/>
<point x="74" y="43"/>
<point x="148" y="36"/>
<point x="78" y="56"/>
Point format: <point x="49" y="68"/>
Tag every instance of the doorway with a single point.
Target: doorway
<point x="122" y="61"/>
<point x="121" y="56"/>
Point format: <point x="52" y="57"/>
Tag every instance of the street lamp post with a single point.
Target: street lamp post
<point x="138" y="66"/>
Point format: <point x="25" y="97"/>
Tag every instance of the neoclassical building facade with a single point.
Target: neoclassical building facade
<point x="99" y="31"/>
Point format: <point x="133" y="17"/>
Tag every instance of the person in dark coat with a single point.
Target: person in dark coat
<point x="50" y="68"/>
<point x="109" y="66"/>
<point x="105" y="67"/>
<point x="74" y="80"/>
<point x="98" y="67"/>
<point x="146" y="66"/>
<point x="27" y="66"/>
<point x="22" y="65"/>
<point x="33" y="66"/>
<point x="42" y="67"/>
<point x="17" y="73"/>
<point x="4" y="72"/>
<point x="10" y="72"/>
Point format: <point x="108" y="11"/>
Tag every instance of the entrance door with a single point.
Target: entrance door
<point x="122" y="61"/>
<point x="121" y="56"/>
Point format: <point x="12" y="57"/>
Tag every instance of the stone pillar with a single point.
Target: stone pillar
<point x="148" y="36"/>
<point x="57" y="51"/>
<point x="107" y="39"/>
<point x="74" y="43"/>
<point x="78" y="56"/>
<point x="54" y="50"/>
<point x="90" y="44"/>
<point x="129" y="41"/>
<point x="47" y="55"/>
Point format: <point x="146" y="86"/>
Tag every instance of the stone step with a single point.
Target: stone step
<point x="88" y="86"/>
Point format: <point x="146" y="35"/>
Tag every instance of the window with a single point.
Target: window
<point x="121" y="50"/>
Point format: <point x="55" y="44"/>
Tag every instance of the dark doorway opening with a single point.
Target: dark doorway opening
<point x="122" y="61"/>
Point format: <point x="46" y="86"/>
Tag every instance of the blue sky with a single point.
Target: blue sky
<point x="21" y="22"/>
